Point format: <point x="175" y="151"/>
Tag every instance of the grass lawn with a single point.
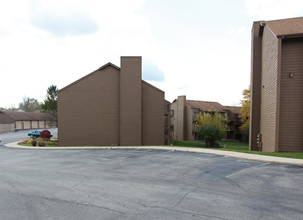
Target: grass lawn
<point x="237" y="147"/>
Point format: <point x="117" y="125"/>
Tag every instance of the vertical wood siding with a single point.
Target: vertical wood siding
<point x="188" y="124"/>
<point x="291" y="100"/>
<point x="88" y="111"/>
<point x="152" y="115"/>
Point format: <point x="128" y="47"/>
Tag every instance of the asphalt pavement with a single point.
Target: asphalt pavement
<point x="144" y="184"/>
<point x="19" y="135"/>
<point x="10" y="140"/>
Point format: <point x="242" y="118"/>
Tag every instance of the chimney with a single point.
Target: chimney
<point x="181" y="117"/>
<point x="130" y="101"/>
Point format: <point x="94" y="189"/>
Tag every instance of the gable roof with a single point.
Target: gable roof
<point x="109" y="64"/>
<point x="9" y="117"/>
<point x="285" y="27"/>
<point x="5" y="118"/>
<point x="205" y="106"/>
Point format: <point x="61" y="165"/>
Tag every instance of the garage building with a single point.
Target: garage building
<point x="13" y="120"/>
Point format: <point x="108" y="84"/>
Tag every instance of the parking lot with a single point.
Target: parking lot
<point x="21" y="135"/>
<point x="144" y="184"/>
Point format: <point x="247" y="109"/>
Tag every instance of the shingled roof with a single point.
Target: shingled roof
<point x="233" y="109"/>
<point x="9" y="117"/>
<point x="286" y="27"/>
<point x="205" y="106"/>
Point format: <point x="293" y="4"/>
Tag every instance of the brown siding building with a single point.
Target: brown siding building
<point x="112" y="106"/>
<point x="276" y="118"/>
<point x="184" y="113"/>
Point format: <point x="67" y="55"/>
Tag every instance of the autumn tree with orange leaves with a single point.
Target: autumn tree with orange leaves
<point x="245" y="114"/>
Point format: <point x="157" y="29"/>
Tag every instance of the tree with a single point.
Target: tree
<point x="12" y="107"/>
<point x="211" y="126"/>
<point x="29" y="104"/>
<point x="50" y="102"/>
<point x="245" y="114"/>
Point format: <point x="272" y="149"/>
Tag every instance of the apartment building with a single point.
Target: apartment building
<point x="184" y="113"/>
<point x="113" y="106"/>
<point x="276" y="118"/>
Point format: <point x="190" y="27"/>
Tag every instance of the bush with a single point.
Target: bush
<point x="41" y="144"/>
<point x="210" y="134"/>
<point x="34" y="142"/>
<point x="212" y="119"/>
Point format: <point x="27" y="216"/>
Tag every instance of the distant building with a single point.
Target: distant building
<point x="113" y="106"/>
<point x="276" y="119"/>
<point x="184" y="113"/>
<point x="16" y="120"/>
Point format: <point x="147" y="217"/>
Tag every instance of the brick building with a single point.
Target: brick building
<point x="113" y="106"/>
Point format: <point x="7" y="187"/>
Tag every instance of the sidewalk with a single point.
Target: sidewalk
<point x="254" y="157"/>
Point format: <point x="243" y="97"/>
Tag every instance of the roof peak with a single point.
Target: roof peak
<point x="109" y="64"/>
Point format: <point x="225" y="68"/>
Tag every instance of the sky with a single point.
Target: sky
<point x="197" y="48"/>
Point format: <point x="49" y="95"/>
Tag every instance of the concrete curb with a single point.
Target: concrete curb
<point x="254" y="157"/>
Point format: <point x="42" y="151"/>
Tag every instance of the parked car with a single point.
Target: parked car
<point x="38" y="133"/>
<point x="34" y="134"/>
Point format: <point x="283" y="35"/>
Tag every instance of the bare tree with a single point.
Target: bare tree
<point x="29" y="104"/>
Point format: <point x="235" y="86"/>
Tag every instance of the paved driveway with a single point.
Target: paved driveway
<point x="144" y="184"/>
<point x="21" y="135"/>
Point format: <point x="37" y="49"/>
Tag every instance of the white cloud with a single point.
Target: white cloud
<point x="151" y="72"/>
<point x="33" y="57"/>
<point x="273" y="9"/>
<point x="205" y="57"/>
<point x="62" y="25"/>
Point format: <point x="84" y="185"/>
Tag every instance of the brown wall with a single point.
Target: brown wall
<point x="178" y="118"/>
<point x="152" y="115"/>
<point x="130" y="101"/>
<point x="88" y="110"/>
<point x="188" y="124"/>
<point x="291" y="101"/>
<point x="173" y="120"/>
<point x="255" y="82"/>
<point x="281" y="106"/>
<point x="167" y="123"/>
<point x="269" y="82"/>
<point x="112" y="106"/>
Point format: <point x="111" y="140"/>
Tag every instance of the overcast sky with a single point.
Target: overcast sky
<point x="197" y="48"/>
